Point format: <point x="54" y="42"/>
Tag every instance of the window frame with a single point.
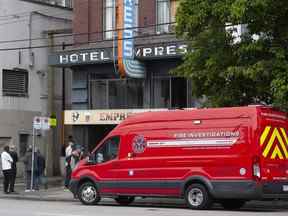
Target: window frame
<point x="170" y="26"/>
<point x="105" y="143"/>
<point x="107" y="32"/>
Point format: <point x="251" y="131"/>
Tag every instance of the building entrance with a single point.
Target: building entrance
<point x="96" y="133"/>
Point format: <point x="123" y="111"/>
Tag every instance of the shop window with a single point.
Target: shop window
<point x="15" y="83"/>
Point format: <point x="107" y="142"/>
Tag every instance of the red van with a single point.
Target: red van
<point x="225" y="155"/>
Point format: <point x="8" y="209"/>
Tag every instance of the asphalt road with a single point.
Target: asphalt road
<point x="10" y="207"/>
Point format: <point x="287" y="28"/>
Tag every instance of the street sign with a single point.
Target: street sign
<point x="45" y="123"/>
<point x="53" y="122"/>
<point x="41" y="123"/>
<point x="37" y="123"/>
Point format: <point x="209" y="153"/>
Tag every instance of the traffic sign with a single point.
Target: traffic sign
<point x="41" y="123"/>
<point x="45" y="123"/>
<point x="37" y="123"/>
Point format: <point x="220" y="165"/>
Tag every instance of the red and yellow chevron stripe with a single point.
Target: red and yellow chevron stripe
<point x="274" y="143"/>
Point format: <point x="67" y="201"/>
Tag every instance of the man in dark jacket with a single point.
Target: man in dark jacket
<point x="14" y="156"/>
<point x="28" y="169"/>
<point x="41" y="169"/>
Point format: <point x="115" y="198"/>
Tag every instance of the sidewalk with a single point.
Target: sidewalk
<point x="55" y="191"/>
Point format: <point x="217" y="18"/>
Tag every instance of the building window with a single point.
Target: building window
<point x="170" y="92"/>
<point x="61" y="3"/>
<point x="166" y="13"/>
<point x="15" y="83"/>
<point x="173" y="9"/>
<point x="136" y="17"/>
<point x="116" y="93"/>
<point x="109" y="20"/>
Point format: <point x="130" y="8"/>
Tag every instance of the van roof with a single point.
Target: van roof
<point x="190" y="114"/>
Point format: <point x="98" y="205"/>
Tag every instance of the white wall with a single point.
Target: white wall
<point x="15" y="28"/>
<point x="16" y="113"/>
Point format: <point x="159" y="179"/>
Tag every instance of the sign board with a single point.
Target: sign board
<point x="105" y="55"/>
<point x="37" y="123"/>
<point x="45" y="123"/>
<point x="41" y="123"/>
<point x="100" y="117"/>
<point x="53" y="122"/>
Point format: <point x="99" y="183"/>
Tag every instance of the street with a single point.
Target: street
<point x="12" y="207"/>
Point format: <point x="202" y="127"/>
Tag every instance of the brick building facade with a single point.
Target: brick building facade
<point x="95" y="83"/>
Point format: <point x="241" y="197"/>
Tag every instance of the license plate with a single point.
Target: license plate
<point x="285" y="188"/>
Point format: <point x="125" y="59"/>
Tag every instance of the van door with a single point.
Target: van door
<point x="106" y="157"/>
<point x="140" y="169"/>
<point x="273" y="139"/>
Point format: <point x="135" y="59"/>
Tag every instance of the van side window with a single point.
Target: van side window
<point x="109" y="150"/>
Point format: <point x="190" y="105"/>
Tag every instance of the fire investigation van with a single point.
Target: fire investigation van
<point x="224" y="155"/>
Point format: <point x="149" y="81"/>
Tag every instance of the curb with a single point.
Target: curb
<point x="43" y="199"/>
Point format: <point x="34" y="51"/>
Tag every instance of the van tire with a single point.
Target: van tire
<point x="124" y="200"/>
<point x="88" y="193"/>
<point x="197" y="197"/>
<point x="232" y="204"/>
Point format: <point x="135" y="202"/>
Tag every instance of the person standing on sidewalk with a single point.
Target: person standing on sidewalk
<point x="41" y="169"/>
<point x="68" y="156"/>
<point x="28" y="170"/>
<point x="7" y="161"/>
<point x="14" y="156"/>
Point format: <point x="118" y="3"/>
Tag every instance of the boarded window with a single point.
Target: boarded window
<point x="15" y="83"/>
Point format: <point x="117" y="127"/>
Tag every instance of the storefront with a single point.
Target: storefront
<point x="97" y="86"/>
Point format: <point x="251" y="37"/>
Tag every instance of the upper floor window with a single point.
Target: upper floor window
<point x="109" y="17"/>
<point x="62" y="3"/>
<point x="15" y="82"/>
<point x="166" y="12"/>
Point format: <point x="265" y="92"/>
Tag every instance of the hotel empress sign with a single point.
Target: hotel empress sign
<point x="105" y="55"/>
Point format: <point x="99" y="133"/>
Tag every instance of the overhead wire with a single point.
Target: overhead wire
<point x="89" y="42"/>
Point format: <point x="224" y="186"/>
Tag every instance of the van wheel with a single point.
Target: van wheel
<point x="232" y="204"/>
<point x="88" y="194"/>
<point x="124" y="200"/>
<point x="197" y="197"/>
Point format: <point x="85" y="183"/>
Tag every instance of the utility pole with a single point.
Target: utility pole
<point x="50" y="144"/>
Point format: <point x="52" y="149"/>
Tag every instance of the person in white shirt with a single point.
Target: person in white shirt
<point x="6" y="169"/>
<point x="68" y="156"/>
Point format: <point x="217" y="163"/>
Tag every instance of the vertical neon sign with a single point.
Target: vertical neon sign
<point x="127" y="64"/>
